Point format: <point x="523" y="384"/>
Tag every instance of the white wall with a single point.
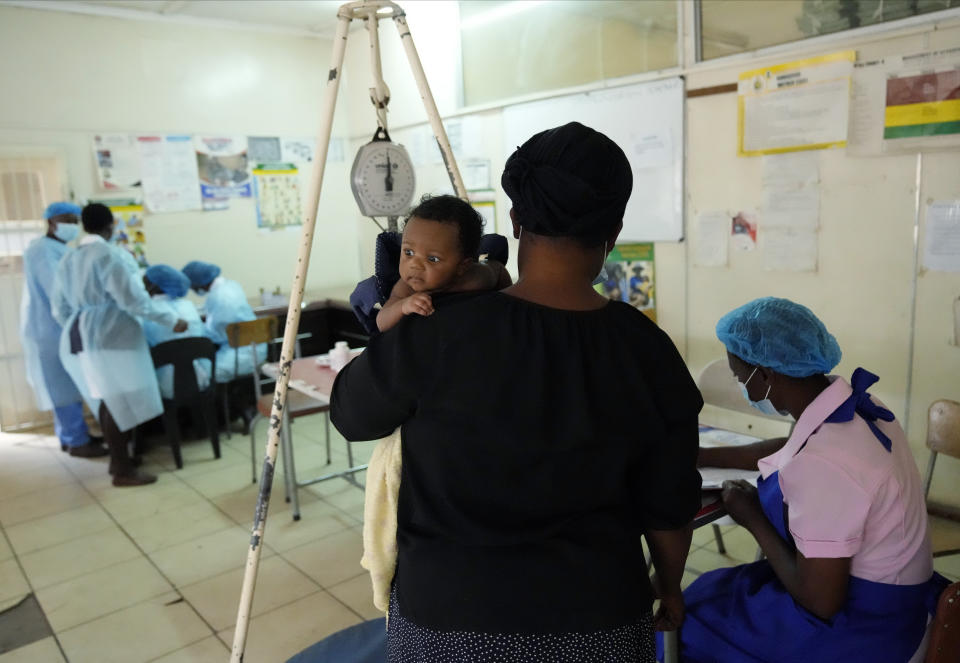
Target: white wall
<point x="67" y="76"/>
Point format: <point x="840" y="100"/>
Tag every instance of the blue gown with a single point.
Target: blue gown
<point x="226" y="303"/>
<point x="98" y="296"/>
<point x="157" y="334"/>
<point x="745" y="614"/>
<point x="53" y="388"/>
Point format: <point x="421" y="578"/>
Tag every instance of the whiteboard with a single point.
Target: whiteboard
<point x="646" y="120"/>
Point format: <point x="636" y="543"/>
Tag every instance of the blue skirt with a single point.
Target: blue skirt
<point x="745" y="614"/>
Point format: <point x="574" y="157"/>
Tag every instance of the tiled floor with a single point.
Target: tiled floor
<point x="154" y="573"/>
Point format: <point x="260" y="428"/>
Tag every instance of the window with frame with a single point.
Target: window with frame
<point x="728" y="27"/>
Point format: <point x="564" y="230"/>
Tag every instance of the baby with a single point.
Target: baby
<point x="438" y="253"/>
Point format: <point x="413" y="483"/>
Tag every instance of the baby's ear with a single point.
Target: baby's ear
<point x="464" y="265"/>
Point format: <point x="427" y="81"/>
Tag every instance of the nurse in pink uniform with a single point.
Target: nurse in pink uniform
<point x="839" y="511"/>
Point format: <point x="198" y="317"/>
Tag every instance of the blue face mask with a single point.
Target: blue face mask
<point x="67" y="232"/>
<point x="602" y="275"/>
<point x="765" y="406"/>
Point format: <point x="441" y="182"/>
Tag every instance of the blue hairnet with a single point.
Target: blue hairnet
<point x="56" y="209"/>
<point x="201" y="274"/>
<point x="780" y="335"/>
<point x="165" y="277"/>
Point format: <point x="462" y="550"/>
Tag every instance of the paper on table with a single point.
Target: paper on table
<point x="789" y="251"/>
<point x="712" y="239"/>
<point x="718" y="437"/>
<point x="942" y="250"/>
<point x="713" y="477"/>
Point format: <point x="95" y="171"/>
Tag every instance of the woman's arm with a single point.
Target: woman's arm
<point x="743" y="457"/>
<point x="819" y="584"/>
<point x="669" y="549"/>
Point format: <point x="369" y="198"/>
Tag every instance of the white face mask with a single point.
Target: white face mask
<point x="766" y="405"/>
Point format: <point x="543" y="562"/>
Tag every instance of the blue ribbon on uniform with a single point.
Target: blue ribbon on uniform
<point x="860" y="403"/>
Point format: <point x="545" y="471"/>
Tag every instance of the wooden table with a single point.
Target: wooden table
<point x="314" y="379"/>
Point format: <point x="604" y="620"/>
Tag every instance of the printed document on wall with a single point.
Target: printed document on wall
<point x="171" y="182"/>
<point x="942" y="251"/>
<point x="789" y="250"/>
<point x="802" y="105"/>
<point x="713" y="238"/>
<point x="791" y="191"/>
<point x="118" y="161"/>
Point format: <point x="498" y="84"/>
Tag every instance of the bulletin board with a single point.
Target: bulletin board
<point x="647" y="121"/>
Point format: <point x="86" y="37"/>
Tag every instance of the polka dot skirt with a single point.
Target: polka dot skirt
<point x="409" y="643"/>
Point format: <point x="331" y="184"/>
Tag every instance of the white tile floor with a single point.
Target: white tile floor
<point x="154" y="573"/>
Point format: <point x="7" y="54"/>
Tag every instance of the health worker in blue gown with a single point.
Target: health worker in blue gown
<point x="98" y="296"/>
<point x="169" y="285"/>
<point x="226" y="303"/>
<point x="40" y="333"/>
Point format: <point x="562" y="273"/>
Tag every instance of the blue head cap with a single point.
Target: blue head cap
<point x="173" y="283"/>
<point x="780" y="335"/>
<point x="56" y="209"/>
<point x="201" y="274"/>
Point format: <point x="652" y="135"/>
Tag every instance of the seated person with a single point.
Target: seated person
<point x="166" y="284"/>
<point x="226" y="303"/>
<point x="839" y="511"/>
<point x="438" y="253"/>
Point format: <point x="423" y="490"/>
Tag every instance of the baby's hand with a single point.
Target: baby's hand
<point x="419" y="303"/>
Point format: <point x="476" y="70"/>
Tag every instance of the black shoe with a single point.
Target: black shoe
<point x="88" y="450"/>
<point x="134" y="478"/>
<point x="92" y="439"/>
<point x="136" y="461"/>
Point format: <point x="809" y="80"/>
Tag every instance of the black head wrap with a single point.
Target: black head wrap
<point x="571" y="181"/>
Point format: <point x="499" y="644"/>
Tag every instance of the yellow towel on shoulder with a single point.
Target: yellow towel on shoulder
<point x="380" y="517"/>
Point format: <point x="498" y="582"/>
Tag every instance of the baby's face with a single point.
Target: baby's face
<point x="430" y="257"/>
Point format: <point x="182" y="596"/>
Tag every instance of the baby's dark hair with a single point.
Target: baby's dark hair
<point x="450" y="209"/>
<point x="96" y="217"/>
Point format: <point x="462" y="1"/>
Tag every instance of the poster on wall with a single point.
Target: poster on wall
<point x="169" y="173"/>
<point x="630" y="277"/>
<point x="222" y="165"/>
<point x="904" y="103"/>
<point x="801" y="105"/>
<point x="277" y="188"/>
<point x="921" y="104"/>
<point x="129" y="231"/>
<point x="118" y="161"/>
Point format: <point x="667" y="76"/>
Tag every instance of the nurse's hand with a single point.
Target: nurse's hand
<point x="181" y="326"/>
<point x="742" y="502"/>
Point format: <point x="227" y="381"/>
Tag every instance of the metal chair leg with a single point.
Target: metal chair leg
<point x="326" y="423"/>
<point x="226" y="411"/>
<point x="718" y="535"/>
<point x="253" y="446"/>
<point x="290" y="471"/>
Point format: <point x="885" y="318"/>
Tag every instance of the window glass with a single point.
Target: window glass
<point x="735" y="26"/>
<point x="521" y="47"/>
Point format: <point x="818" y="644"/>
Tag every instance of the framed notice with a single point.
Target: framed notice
<point x="801" y="105"/>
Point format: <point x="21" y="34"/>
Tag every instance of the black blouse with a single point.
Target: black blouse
<point x="538" y="445"/>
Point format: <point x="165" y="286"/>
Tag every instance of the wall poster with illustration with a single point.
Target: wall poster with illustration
<point x="630" y="277"/>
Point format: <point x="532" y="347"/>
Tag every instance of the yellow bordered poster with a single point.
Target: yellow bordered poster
<point x="800" y="105"/>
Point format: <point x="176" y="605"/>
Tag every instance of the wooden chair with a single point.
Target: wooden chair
<point x="944" y="644"/>
<point x="245" y="336"/>
<point x="943" y="436"/>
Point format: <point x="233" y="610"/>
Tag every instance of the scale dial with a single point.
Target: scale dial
<point x="382" y="179"/>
